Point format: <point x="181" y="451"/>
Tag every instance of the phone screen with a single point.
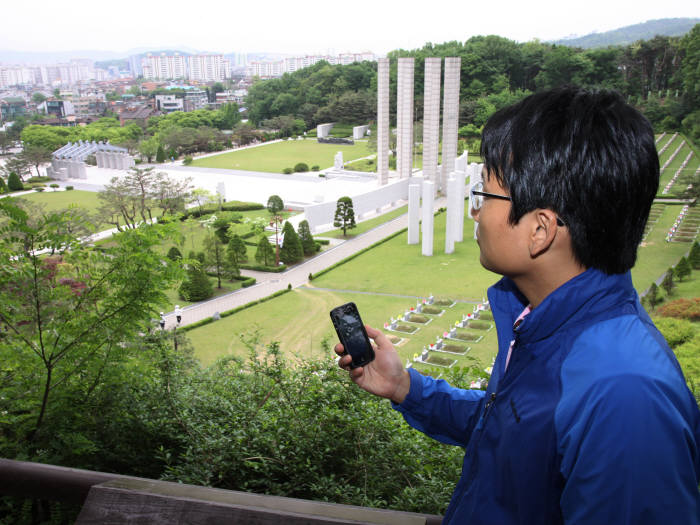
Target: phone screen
<point x="351" y="332"/>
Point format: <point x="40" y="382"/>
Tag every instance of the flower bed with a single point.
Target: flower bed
<point x="479" y="325"/>
<point x="449" y="303"/>
<point x="406" y="329"/>
<point x="436" y="360"/>
<point x="454" y="349"/>
<point x="466" y="336"/>
<point x="417" y="318"/>
<point x="432" y="310"/>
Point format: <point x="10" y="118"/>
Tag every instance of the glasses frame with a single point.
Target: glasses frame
<point x="479" y="193"/>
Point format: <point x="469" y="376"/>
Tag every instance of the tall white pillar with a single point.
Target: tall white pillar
<point x="383" y="120"/>
<point x="404" y="118"/>
<point x="461" y="166"/>
<point x="452" y="213"/>
<point x="474" y="177"/>
<point x="431" y="117"/>
<point x="428" y="219"/>
<point x="413" y="213"/>
<point x="450" y="117"/>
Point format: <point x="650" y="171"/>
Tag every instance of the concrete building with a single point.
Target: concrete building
<point x="163" y="67"/>
<point x="11" y="108"/>
<point x="288" y="65"/>
<point x="208" y="68"/>
<point x="195" y="99"/>
<point x="58" y="108"/>
<point x="169" y="103"/>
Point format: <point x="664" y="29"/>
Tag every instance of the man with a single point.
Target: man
<point x="587" y="417"/>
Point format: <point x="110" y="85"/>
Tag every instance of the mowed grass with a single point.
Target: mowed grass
<point x="299" y="320"/>
<point x="56" y="200"/>
<point x="273" y="158"/>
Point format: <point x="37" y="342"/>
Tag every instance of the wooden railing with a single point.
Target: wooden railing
<point x="113" y="499"/>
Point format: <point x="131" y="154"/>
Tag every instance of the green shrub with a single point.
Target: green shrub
<point x="54" y="186"/>
<point x="38" y="179"/>
<point x="187" y="160"/>
<point x="315" y="167"/>
<point x="287" y="171"/>
<point x="13" y="182"/>
<point x="301" y="167"/>
<point x="174" y="254"/>
<point x="69" y="188"/>
<point x="39" y="188"/>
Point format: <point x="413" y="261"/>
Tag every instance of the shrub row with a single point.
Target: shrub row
<point x="212" y="208"/>
<point x="261" y="268"/>
<point x="234" y="310"/>
<point x="247" y="281"/>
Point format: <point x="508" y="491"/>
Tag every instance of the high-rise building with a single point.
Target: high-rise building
<point x="208" y="68"/>
<point x="163" y="67"/>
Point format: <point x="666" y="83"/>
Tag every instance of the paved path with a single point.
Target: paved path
<point x="296" y="276"/>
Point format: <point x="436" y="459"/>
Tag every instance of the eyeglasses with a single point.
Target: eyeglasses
<point x="477" y="199"/>
<point x="477" y="196"/>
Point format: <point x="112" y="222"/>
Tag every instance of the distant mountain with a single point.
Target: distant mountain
<point x="629" y="34"/>
<point x="30" y="57"/>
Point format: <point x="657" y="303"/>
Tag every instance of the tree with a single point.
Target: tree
<point x="3" y="186"/>
<point x="683" y="269"/>
<point x="215" y="256"/>
<point x="265" y="255"/>
<point x="13" y="182"/>
<point x="292" y="250"/>
<point x="237" y="249"/>
<point x="36" y="156"/>
<point x="232" y="259"/>
<point x="652" y="296"/>
<point x="149" y="148"/>
<point x="196" y="286"/>
<point x="18" y="165"/>
<point x="5" y="141"/>
<point x="174" y="254"/>
<point x="694" y="256"/>
<point x="668" y="284"/>
<point x="275" y="207"/>
<point x="160" y="154"/>
<point x="38" y="97"/>
<point x="66" y="318"/>
<point x="344" y="215"/>
<point x="307" y="240"/>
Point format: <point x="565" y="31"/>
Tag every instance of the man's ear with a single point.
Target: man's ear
<point x="543" y="231"/>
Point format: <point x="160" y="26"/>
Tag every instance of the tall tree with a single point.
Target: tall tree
<point x="275" y="207"/>
<point x="265" y="254"/>
<point x="215" y="256"/>
<point x="292" y="250"/>
<point x="682" y="269"/>
<point x="36" y="156"/>
<point x="65" y="318"/>
<point x="307" y="240"/>
<point x="667" y="283"/>
<point x="237" y="249"/>
<point x="344" y="215"/>
<point x="694" y="256"/>
<point x="18" y="165"/>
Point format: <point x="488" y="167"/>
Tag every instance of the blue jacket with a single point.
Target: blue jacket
<point x="592" y="422"/>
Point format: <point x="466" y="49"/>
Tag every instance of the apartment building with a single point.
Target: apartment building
<point x="163" y="67"/>
<point x="208" y="68"/>
<point x="291" y="64"/>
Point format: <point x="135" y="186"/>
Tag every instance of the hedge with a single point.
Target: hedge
<point x="234" y="310"/>
<point x="213" y="208"/>
<point x="261" y="268"/>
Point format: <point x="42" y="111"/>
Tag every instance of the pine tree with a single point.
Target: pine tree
<point x="344" y="215"/>
<point x="196" y="286"/>
<point x="652" y="296"/>
<point x="265" y="253"/>
<point x="231" y="270"/>
<point x="174" y="254"/>
<point x="307" y="240"/>
<point x="668" y="284"/>
<point x="13" y="182"/>
<point x="682" y="269"/>
<point x="291" y="251"/>
<point x="239" y="250"/>
<point x="160" y="154"/>
<point x="694" y="256"/>
<point x="215" y="256"/>
<point x="3" y="186"/>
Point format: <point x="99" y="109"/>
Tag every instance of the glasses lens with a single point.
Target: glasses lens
<point x="476" y="199"/>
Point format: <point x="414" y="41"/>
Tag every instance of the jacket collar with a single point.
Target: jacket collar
<point x="581" y="298"/>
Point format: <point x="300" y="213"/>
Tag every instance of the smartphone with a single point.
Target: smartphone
<point x="351" y="332"/>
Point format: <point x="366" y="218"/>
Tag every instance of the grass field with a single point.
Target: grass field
<point x="273" y="158"/>
<point x="367" y="225"/>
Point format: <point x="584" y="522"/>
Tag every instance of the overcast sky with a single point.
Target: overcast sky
<point x="309" y="26"/>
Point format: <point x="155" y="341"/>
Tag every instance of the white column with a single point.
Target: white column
<point x="452" y="213"/>
<point x="413" y="213"/>
<point x="450" y="117"/>
<point x="383" y="120"/>
<point x="461" y="165"/>
<point x="431" y="118"/>
<point x="404" y="118"/>
<point x="428" y="219"/>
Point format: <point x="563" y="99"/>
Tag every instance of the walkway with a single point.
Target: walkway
<point x="296" y="276"/>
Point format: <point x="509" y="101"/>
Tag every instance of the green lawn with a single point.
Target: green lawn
<point x="367" y="225"/>
<point x="273" y="158"/>
<point x="56" y="200"/>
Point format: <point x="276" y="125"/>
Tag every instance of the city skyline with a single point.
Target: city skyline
<point x="311" y="27"/>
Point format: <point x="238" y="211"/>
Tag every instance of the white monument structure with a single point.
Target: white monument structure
<point x="450" y="117"/>
<point x="431" y="118"/>
<point x="338" y="161"/>
<point x="322" y="130"/>
<point x="68" y="162"/>
<point x="427" y="226"/>
<point x="404" y="118"/>
<point x="413" y="213"/>
<point x="383" y="120"/>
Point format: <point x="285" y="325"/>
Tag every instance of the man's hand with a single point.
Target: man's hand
<point x="385" y="376"/>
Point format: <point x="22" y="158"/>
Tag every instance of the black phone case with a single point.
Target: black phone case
<point x="368" y="355"/>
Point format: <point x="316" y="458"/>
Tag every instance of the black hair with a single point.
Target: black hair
<point x="586" y="155"/>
